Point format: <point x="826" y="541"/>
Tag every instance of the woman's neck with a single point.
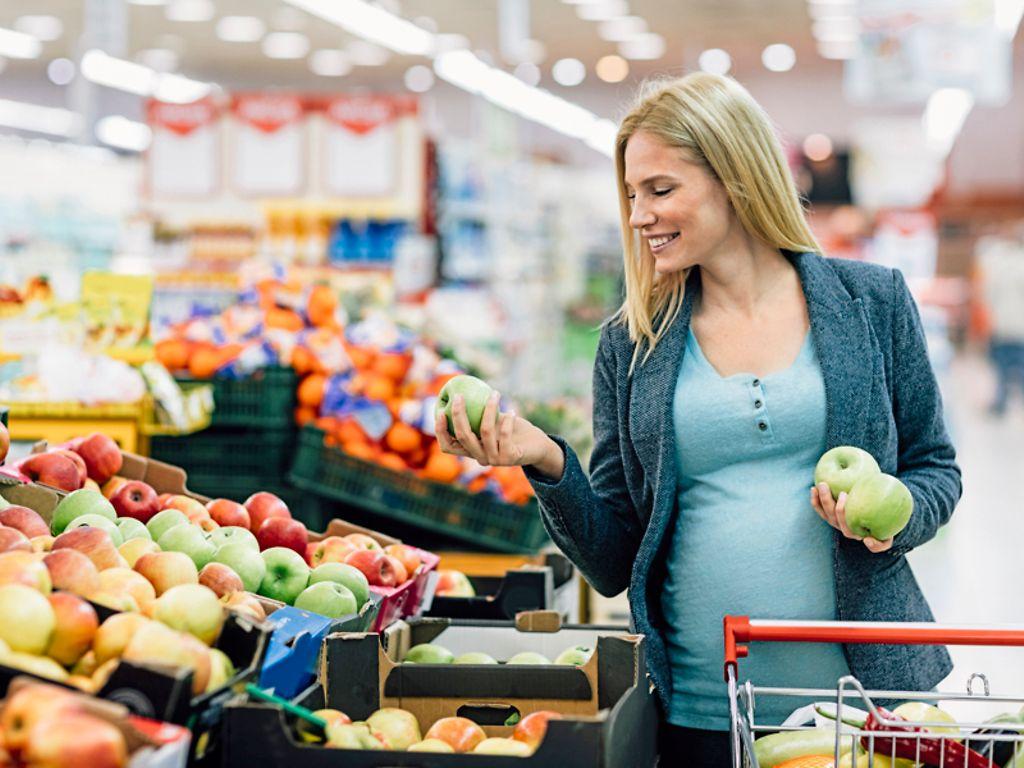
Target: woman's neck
<point x="740" y="280"/>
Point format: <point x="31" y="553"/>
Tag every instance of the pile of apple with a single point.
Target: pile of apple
<point x="396" y="729"/>
<point x="46" y="726"/>
<point x="431" y="653"/>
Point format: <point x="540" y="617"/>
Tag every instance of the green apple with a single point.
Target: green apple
<point x="131" y="528"/>
<point x="27" y="619"/>
<point x="191" y="608"/>
<point x="243" y="560"/>
<point x="428" y="653"/>
<point x="221" y="670"/>
<point x="346" y="575"/>
<point x="919" y="712"/>
<point x="84" y="501"/>
<point x="351" y="736"/>
<point x="529" y="657"/>
<point x="287" y="574"/>
<point x="162" y="522"/>
<point x="431" y="745"/>
<point x="98" y="521"/>
<point x="878" y="506"/>
<point x="189" y="539"/>
<point x="842" y="467"/>
<point x="474" y="391"/>
<point x="328" y="599"/>
<point x="577" y="655"/>
<point x="233" y="534"/>
<point x="475" y="657"/>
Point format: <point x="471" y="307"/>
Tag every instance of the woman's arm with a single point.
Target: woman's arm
<point x="926" y="461"/>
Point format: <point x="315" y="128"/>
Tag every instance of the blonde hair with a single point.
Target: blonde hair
<point x="717" y="123"/>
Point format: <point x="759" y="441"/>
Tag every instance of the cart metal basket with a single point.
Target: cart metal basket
<point x="880" y="739"/>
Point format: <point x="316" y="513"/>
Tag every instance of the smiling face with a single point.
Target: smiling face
<point x="679" y="208"/>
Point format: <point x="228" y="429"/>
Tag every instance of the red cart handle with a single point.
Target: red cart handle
<point x="743" y="629"/>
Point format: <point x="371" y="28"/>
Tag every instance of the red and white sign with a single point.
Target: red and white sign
<point x="184" y="156"/>
<point x="268" y="150"/>
<point x="362" y="145"/>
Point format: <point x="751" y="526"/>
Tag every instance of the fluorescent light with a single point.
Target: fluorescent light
<point x="159" y="59"/>
<point x="103" y="69"/>
<point x="568" y="72"/>
<point x="419" y="79"/>
<point x="601" y="136"/>
<point x="330" y="62"/>
<point x="53" y="121"/>
<point x="646" y="47"/>
<point x="621" y="28"/>
<point x="240" y="29"/>
<point x="612" y="68"/>
<point x="190" y="10"/>
<point x="45" y="28"/>
<point x="285" y="45"/>
<point x="528" y="72"/>
<point x="366" y="54"/>
<point x="372" y="23"/>
<point x="450" y="42"/>
<point x="61" y="71"/>
<point x="715" y="61"/>
<point x="178" y="89"/>
<point x="778" y="57"/>
<point x="944" y="116"/>
<point x="841" y="28"/>
<point x="122" y="133"/>
<point x="425" y="22"/>
<point x="602" y="10"/>
<point x="18" y="45"/>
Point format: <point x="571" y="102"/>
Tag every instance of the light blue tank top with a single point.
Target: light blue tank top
<point x="746" y="540"/>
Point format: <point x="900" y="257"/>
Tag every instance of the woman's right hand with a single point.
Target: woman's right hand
<point x="505" y="439"/>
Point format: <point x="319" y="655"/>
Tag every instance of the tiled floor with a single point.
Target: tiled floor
<point x="973" y="572"/>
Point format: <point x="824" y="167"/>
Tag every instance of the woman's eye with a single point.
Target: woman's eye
<point x="662" y="192"/>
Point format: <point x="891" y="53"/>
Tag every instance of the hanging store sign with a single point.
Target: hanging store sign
<point x="362" y="144"/>
<point x="184" y="157"/>
<point x="268" y="149"/>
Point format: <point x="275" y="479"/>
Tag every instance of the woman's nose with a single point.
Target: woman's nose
<point x="641" y="216"/>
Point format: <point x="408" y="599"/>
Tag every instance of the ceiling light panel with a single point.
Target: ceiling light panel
<point x="18" y="45"/>
<point x="240" y="29"/>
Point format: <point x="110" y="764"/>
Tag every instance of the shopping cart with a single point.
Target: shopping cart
<point x="880" y="738"/>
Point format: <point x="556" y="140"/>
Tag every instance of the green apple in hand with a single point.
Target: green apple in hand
<point x="475" y="393"/>
<point x="842" y="467"/>
<point x="878" y="506"/>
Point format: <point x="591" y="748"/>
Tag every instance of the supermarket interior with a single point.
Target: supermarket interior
<point x="271" y="269"/>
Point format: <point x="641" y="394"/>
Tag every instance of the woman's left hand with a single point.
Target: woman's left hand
<point x="833" y="512"/>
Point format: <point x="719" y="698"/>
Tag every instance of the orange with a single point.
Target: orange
<point x="359" y="449"/>
<point x="304" y="361"/>
<point x="350" y="431"/>
<point x="402" y="438"/>
<point x="284" y="319"/>
<point x="172" y="353"/>
<point x="311" y="390"/>
<point x="438" y="382"/>
<point x="361" y="357"/>
<point x="304" y="414"/>
<point x="442" y="468"/>
<point x="379" y="388"/>
<point x="418" y="457"/>
<point x="326" y="423"/>
<point x="204" y="362"/>
<point x="393" y="461"/>
<point x="392" y="365"/>
<point x="321" y="305"/>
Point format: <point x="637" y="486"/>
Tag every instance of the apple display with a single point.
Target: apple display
<point x="83" y="472"/>
<point x="351" y="736"/>
<point x="101" y="455"/>
<point x="28" y="706"/>
<point x="25" y="520"/>
<point x="133" y="549"/>
<point x="406" y="555"/>
<point x="328" y="599"/>
<point x="879" y="506"/>
<point x="13" y="540"/>
<point x="234" y="534"/>
<point x="577" y="655"/>
<point x="841" y="467"/>
<point x="78" y="503"/>
<point x="228" y="513"/>
<point x="499" y="746"/>
<point x="125" y="581"/>
<point x="475" y="394"/>
<point x="164" y="520"/>
<point x="429" y="653"/>
<point x="109" y="488"/>
<point x="346" y="575"/>
<point x="94" y="543"/>
<point x="332" y="549"/>
<point x="189" y="540"/>
<point x="74" y="630"/>
<point x="529" y="657"/>
<point x="475" y="657"/>
<point x="451" y="583"/>
<point x="136" y="500"/>
<point x="245" y="561"/>
<point x="193" y="509"/>
<point x="42" y="543"/>
<point x="131" y="528"/>
<point x="531" y="729"/>
<point x="462" y="734"/>
<point x="165" y="570"/>
<point x="70" y="570"/>
<point x="78" y="741"/>
<point x="113" y="636"/>
<point x="401" y="575"/>
<point x="53" y="470"/>
<point x="221" y="670"/>
<point x="362" y="541"/>
<point x="220" y="579"/>
<point x="191" y="608"/>
<point x="156" y="643"/>
<point x="27" y="569"/>
<point x="396" y="728"/>
<point x="375" y="566"/>
<point x="431" y="745"/>
<point x="27" y="620"/>
<point x="263" y="505"/>
<point x="97" y="521"/>
<point x="287" y="575"/>
<point x="283" y="532"/>
<point x="245" y="604"/>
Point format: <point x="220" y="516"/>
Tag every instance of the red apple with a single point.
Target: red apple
<point x="101" y="455"/>
<point x="52" y="469"/>
<point x="13" y="540"/>
<point x="531" y="729"/>
<point x="362" y="541"/>
<point x="245" y="603"/>
<point x="25" y="520"/>
<point x="76" y="741"/>
<point x="77" y="623"/>
<point x="110" y="487"/>
<point x="460" y="733"/>
<point x="333" y="549"/>
<point x="29" y="706"/>
<point x="79" y="462"/>
<point x="167" y="569"/>
<point x="221" y="579"/>
<point x="25" y="568"/>
<point x="375" y="566"/>
<point x="135" y="499"/>
<point x="5" y="442"/>
<point x="263" y="505"/>
<point x="406" y="555"/>
<point x="452" y="583"/>
<point x="227" y="512"/>
<point x="192" y="508"/>
<point x="163" y="498"/>
<point x="310" y="551"/>
<point x="71" y="570"/>
<point x="94" y="543"/>
<point x="125" y="581"/>
<point x="401" y="575"/>
<point x="283" y="532"/>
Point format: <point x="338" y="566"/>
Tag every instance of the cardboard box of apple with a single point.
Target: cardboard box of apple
<point x="48" y="726"/>
<point x="877" y="504"/>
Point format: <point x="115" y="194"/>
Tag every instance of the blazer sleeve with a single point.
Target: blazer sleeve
<point x="593" y="521"/>
<point x="926" y="459"/>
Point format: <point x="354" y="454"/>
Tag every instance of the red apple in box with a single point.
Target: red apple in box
<point x="112" y="485"/>
<point x="221" y="579"/>
<point x="13" y="540"/>
<point x="375" y="566"/>
<point x="283" y="532"/>
<point x="94" y="543"/>
<point x="78" y="461"/>
<point x="362" y="541"/>
<point x="452" y="583"/>
<point x="401" y="575"/>
<point x="135" y="499"/>
<point x="52" y="469"/>
<point x="25" y="520"/>
<point x="29" y="706"/>
<point x="460" y="733"/>
<point x="192" y="508"/>
<point x="163" y="498"/>
<point x="25" y="568"/>
<point x="77" y="741"/>
<point x="333" y="549"/>
<point x="76" y="626"/>
<point x="5" y="442"/>
<point x="262" y="506"/>
<point x="73" y="571"/>
<point x="227" y="512"/>
<point x="167" y="569"/>
<point x="311" y="547"/>
<point x="406" y="555"/>
<point x="101" y="455"/>
<point x="531" y="729"/>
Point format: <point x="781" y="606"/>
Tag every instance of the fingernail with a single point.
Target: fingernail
<point x="842" y="497"/>
<point x="495" y="395"/>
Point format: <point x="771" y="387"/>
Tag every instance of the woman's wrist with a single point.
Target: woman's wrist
<point x="552" y="464"/>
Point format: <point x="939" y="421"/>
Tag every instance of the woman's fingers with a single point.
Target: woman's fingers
<point x="464" y="433"/>
<point x="448" y="443"/>
<point x="511" y="452"/>
<point x="826" y="503"/>
<point x="841" y="518"/>
<point x="877" y="546"/>
<point x="489" y="428"/>
<point x="832" y="511"/>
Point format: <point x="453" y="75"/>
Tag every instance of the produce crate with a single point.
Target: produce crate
<point x="245" y="459"/>
<point x="265" y="399"/>
<point x="447" y="509"/>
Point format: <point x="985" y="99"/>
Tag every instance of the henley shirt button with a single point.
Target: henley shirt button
<point x="758" y="403"/>
<point x="756" y="382"/>
<point x="762" y="426"/>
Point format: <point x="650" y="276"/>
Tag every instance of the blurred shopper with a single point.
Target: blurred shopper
<point x="739" y="356"/>
<point x="1002" y="279"/>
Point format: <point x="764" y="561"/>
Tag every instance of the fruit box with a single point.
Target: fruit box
<point x="611" y="718"/>
<point x="396" y="602"/>
<point x="527" y="588"/>
<point x="151" y="744"/>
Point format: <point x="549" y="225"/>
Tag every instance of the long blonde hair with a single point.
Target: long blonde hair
<point x="717" y="123"/>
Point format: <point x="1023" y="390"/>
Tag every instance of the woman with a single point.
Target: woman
<point x="739" y="356"/>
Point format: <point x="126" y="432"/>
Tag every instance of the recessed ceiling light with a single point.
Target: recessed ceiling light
<point x="602" y="10"/>
<point x="612" y="68"/>
<point x="330" y="62"/>
<point x="190" y="10"/>
<point x="715" y="61"/>
<point x="122" y="133"/>
<point x="528" y="72"/>
<point x="778" y="57"/>
<point x="285" y="45"/>
<point x="366" y="54"/>
<point x="240" y="29"/>
<point x="45" y="28"/>
<point x="61" y="71"/>
<point x="18" y="45"/>
<point x="818" y="147"/>
<point x="568" y="72"/>
<point x="419" y="78"/>
<point x="646" y="47"/>
<point x="159" y="59"/>
<point x="622" y="28"/>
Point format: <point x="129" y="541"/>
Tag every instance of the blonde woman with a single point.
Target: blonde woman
<point x="739" y="356"/>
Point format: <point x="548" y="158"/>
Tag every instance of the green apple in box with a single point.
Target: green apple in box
<point x="233" y="534"/>
<point x="98" y="521"/>
<point x="131" y="528"/>
<point x="429" y="653"/>
<point x="287" y="574"/>
<point x="84" y="501"/>
<point x="328" y="599"/>
<point x="162" y="522"/>
<point x="189" y="539"/>
<point x="245" y="561"/>
<point x="347" y="576"/>
<point x="474" y="391"/>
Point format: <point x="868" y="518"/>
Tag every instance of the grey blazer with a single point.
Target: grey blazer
<point x="881" y="395"/>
